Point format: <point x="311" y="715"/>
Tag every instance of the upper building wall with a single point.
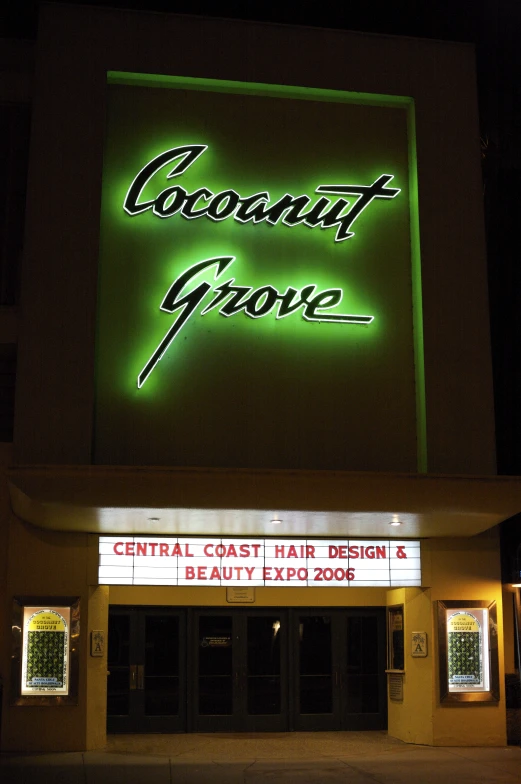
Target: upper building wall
<point x="254" y="400"/>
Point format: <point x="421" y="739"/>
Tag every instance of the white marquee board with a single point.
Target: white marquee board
<point x="142" y="560"/>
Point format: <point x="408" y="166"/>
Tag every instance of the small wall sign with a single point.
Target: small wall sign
<point x="224" y="641"/>
<point x="419" y="644"/>
<point x="97" y="642"/>
<point x="396" y="687"/>
<point x="237" y="595"/>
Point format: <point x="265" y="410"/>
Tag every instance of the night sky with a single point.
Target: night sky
<point x="495" y="29"/>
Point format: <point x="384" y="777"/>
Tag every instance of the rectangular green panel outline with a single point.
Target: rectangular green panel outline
<point x="335" y="96"/>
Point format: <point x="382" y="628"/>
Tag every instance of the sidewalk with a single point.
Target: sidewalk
<point x="300" y="758"/>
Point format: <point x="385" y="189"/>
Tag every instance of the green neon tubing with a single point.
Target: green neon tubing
<point x="232" y="299"/>
<point x="291" y="210"/>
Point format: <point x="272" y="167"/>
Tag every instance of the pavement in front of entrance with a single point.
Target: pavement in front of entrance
<point x="293" y="758"/>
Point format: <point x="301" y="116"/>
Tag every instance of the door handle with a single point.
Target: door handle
<point x="141" y="676"/>
<point x="132" y="677"/>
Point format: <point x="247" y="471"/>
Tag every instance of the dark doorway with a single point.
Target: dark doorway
<point x="220" y="669"/>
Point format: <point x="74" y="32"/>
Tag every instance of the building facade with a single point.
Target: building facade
<point x="252" y="480"/>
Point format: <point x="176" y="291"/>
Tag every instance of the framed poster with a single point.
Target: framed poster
<point x="468" y="654"/>
<point x="45" y="650"/>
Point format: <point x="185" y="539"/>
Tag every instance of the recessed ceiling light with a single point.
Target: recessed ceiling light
<point x="275" y="521"/>
<point x="395" y="522"/>
<point x="154" y="519"/>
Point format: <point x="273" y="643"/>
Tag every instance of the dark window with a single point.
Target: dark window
<point x="14" y="156"/>
<point x="7" y="382"/>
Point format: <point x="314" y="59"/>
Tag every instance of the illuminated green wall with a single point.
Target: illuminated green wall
<point x="258" y="392"/>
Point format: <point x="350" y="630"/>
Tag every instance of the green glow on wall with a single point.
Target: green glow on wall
<point x="258" y="207"/>
<point x="419" y="356"/>
<point x="255" y="88"/>
<point x="143" y="255"/>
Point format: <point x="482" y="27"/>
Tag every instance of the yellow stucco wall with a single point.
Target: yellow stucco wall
<point x="454" y="569"/>
<point x="412" y="719"/>
<point x="50" y="564"/>
<point x="96" y="732"/>
<point x="264" y="597"/>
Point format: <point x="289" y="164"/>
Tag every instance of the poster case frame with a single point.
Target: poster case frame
<point x="20" y="603"/>
<point x="489" y="695"/>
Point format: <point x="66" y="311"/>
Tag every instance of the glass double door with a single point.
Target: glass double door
<point x="339" y="680"/>
<point x="195" y="670"/>
<point x="239" y="677"/>
<point x="146" y="680"/>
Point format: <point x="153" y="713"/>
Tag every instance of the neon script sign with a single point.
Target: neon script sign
<point x="257" y="208"/>
<point x="230" y="299"/>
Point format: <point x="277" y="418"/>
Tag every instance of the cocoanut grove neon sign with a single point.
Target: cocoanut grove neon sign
<point x="290" y="210"/>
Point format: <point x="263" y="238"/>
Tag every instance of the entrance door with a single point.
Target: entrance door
<point x="146" y="689"/>
<point x="239" y="676"/>
<point x="339" y="677"/>
<point x="220" y="669"/>
<point x="362" y="677"/>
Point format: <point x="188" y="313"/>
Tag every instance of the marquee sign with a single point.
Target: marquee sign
<point x="345" y="563"/>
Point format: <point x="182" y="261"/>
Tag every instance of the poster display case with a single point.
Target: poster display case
<point x="45" y="650"/>
<point x="468" y="652"/>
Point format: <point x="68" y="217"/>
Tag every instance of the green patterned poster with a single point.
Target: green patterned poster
<point x="464" y="651"/>
<point x="45" y="654"/>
